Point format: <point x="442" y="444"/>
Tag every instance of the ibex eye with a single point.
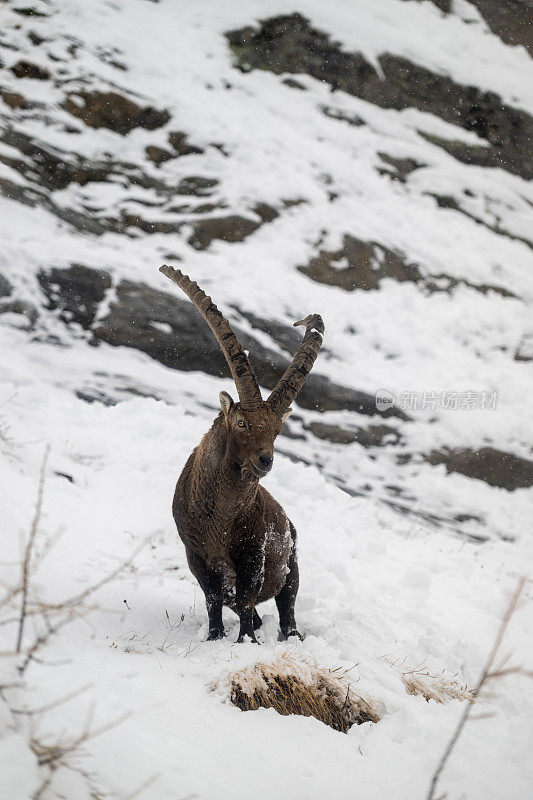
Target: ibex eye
<point x="241" y="423"/>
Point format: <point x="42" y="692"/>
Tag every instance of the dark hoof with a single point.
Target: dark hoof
<point x="251" y="636"/>
<point x="292" y="632"/>
<point x="218" y="633"/>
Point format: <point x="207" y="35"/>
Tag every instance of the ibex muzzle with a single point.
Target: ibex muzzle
<point x="240" y="545"/>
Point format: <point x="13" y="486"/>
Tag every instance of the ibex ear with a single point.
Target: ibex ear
<point x="226" y="403"/>
<point x="286" y="414"/>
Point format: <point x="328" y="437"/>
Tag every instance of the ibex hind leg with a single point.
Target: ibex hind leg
<point x="211" y="582"/>
<point x="286" y="599"/>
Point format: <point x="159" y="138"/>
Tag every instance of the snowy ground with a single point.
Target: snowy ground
<point x="381" y="591"/>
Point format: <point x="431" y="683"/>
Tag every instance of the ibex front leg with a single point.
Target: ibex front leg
<point x="211" y="582"/>
<point x="249" y="573"/>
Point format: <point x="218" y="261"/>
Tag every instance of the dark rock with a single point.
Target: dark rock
<point x="293" y="84"/>
<point x="171" y="331"/>
<point x="178" y="140"/>
<point x="511" y="20"/>
<point x="291" y="432"/>
<point x="373" y="436"/>
<point x="449" y="202"/>
<point x="76" y="292"/>
<point x="321" y="394"/>
<point x="368" y="264"/>
<point x="524" y="351"/>
<point x="28" y="11"/>
<point x="477" y="154"/>
<point x="468" y="518"/>
<point x="53" y="168"/>
<point x="290" y="44"/>
<point x="266" y="212"/>
<point x="93" y="395"/>
<point x="114" y="111"/>
<point x="197" y="185"/>
<point x="84" y="223"/>
<point x="124" y="222"/>
<point x="26" y="69"/>
<point x="495" y="467"/>
<point x="293" y="202"/>
<point x="180" y="147"/>
<point x="56" y="169"/>
<point x="401" y="167"/>
<point x="446" y="283"/>
<point x="287" y="337"/>
<point x="111" y="56"/>
<point x="168" y="329"/>
<point x="220" y="147"/>
<point x="228" y="229"/>
<point x="232" y="228"/>
<point x="35" y="38"/>
<point x="14" y="100"/>
<point x="191" y="208"/>
<point x="158" y="154"/>
<point x="335" y="113"/>
<point x="32" y="197"/>
<point x="23" y="308"/>
<point x="5" y="286"/>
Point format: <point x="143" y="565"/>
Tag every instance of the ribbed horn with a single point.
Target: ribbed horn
<point x="294" y="376"/>
<point x="241" y="369"/>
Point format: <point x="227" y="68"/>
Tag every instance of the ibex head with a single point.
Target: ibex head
<point x="251" y="435"/>
<point x="253" y="424"/>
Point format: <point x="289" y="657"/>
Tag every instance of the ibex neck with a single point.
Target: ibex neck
<point x="217" y="476"/>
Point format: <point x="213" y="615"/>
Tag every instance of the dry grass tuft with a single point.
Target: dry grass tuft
<point x="292" y="685"/>
<point x="441" y="688"/>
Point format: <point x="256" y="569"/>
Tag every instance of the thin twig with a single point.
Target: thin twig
<point x="29" y="546"/>
<point x="49" y="754"/>
<point x="42" y="639"/>
<point x="486" y="674"/>
<point x="144" y="785"/>
<point x="77" y="598"/>
<point x="60" y="701"/>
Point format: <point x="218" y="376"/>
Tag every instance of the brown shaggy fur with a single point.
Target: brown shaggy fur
<point x="291" y="685"/>
<point x="240" y="544"/>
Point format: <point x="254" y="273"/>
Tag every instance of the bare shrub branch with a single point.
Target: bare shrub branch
<point x="22" y="602"/>
<point x="53" y="704"/>
<point x="48" y="754"/>
<point x="487" y="674"/>
<point x="144" y="785"/>
<point x="27" y="554"/>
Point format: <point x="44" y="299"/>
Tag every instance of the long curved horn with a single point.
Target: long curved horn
<point x="241" y="369"/>
<point x="294" y="376"/>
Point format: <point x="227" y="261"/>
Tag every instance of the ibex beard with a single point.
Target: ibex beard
<point x="240" y="544"/>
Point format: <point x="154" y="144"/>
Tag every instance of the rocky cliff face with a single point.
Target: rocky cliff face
<point x="374" y="167"/>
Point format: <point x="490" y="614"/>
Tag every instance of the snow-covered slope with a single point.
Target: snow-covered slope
<point x="135" y="133"/>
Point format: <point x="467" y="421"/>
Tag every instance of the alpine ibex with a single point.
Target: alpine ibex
<point x="240" y="545"/>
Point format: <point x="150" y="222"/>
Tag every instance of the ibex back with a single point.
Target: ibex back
<point x="240" y="545"/>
